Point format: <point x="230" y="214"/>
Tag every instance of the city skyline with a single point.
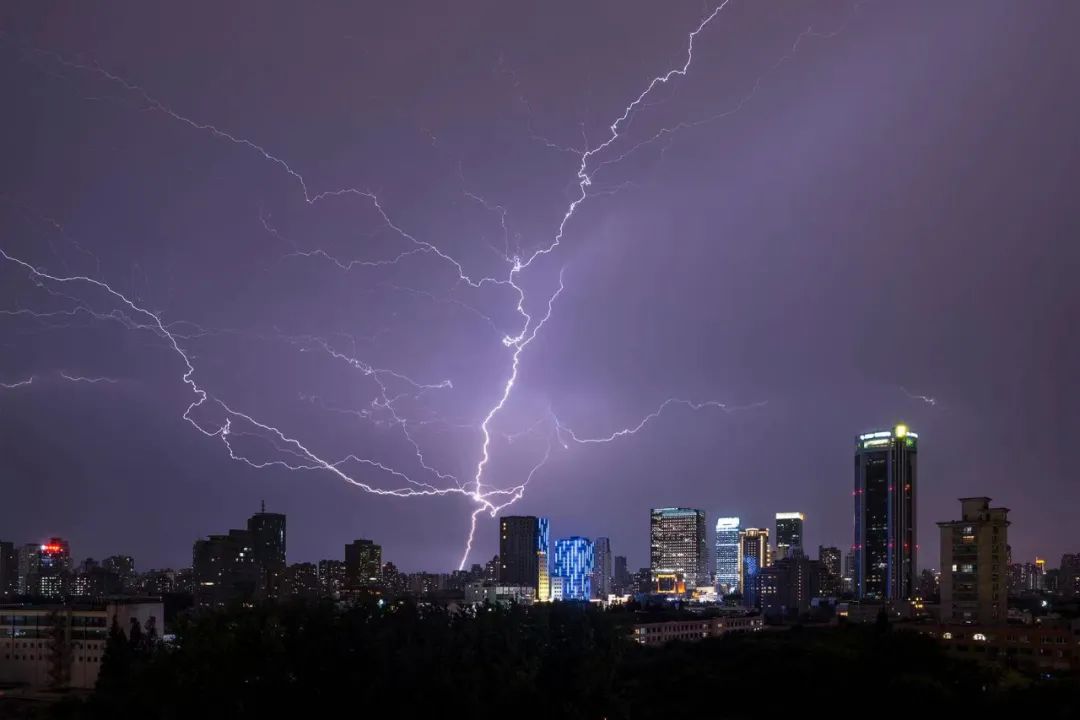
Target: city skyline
<point x="680" y="262"/>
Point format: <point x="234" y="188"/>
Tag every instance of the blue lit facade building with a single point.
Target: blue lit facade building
<point x="574" y="563"/>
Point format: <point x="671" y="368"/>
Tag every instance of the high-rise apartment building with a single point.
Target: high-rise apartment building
<point x="728" y="555"/>
<point x="621" y="578"/>
<point x="754" y="548"/>
<point x="677" y="548"/>
<point x="331" y="579"/>
<point x="363" y="567"/>
<point x="574" y="565"/>
<point x="885" y="544"/>
<point x="27" y="557"/>
<point x="784" y="589"/>
<point x="974" y="565"/>
<point x="789" y="533"/>
<point x="268" y="535"/>
<point x="224" y="570"/>
<point x="1069" y="576"/>
<point x="829" y="557"/>
<point x="523" y="553"/>
<point x="123" y="567"/>
<point x="602" y="571"/>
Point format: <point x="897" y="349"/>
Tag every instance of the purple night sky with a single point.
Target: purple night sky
<point x="842" y="206"/>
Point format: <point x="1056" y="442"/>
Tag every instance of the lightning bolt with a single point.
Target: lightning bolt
<point x="925" y="398"/>
<point x="17" y="383"/>
<point x="90" y="380"/>
<point x="237" y="430"/>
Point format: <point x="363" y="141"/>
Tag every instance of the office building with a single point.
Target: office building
<point x="331" y="579"/>
<point x="621" y="580"/>
<point x="789" y="533"/>
<point x="62" y="646"/>
<point x="601" y="579"/>
<point x="677" y="548"/>
<point x="268" y="535"/>
<point x="574" y="563"/>
<point x="223" y="568"/>
<point x="829" y="557"/>
<point x="973" y="564"/>
<point x="728" y="555"/>
<point x="785" y="588"/>
<point x="523" y="552"/>
<point x="363" y="567"/>
<point x="755" y="553"/>
<point x="9" y="571"/>
<point x="885" y="543"/>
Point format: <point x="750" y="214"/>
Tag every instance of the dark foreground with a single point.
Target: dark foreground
<point x="559" y="661"/>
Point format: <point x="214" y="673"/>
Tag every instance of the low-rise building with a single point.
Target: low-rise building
<point x="694" y="629"/>
<point x="61" y="646"/>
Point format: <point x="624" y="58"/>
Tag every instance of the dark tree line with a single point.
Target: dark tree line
<point x="559" y="661"/>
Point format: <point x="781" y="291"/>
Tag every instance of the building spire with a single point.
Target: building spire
<point x="262" y="506"/>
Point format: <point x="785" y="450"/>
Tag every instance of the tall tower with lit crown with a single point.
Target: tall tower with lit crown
<point x="884" y="544"/>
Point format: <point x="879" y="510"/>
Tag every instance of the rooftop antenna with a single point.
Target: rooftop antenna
<point x="262" y="507"/>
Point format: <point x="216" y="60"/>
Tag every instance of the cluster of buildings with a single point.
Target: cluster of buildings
<point x="750" y="574"/>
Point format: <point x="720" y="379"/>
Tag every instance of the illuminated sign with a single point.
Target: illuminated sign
<point x="727" y="523"/>
<point x="790" y="516"/>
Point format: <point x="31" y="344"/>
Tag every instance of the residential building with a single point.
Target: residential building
<point x="363" y="568"/>
<point x="621" y="580"/>
<point x="601" y="579"/>
<point x="885" y="544"/>
<point x="785" y="588"/>
<point x="301" y="581"/>
<point x="268" y="536"/>
<point x="829" y="557"/>
<point x="973" y="564"/>
<point x="331" y="579"/>
<point x="224" y="570"/>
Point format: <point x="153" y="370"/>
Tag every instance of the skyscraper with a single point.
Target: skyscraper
<point x="677" y="546"/>
<point x="601" y="580"/>
<point x="754" y="549"/>
<point x="789" y="533"/>
<point x="621" y="576"/>
<point x="574" y="564"/>
<point x="363" y="567"/>
<point x="829" y="557"/>
<point x="523" y="551"/>
<point x="728" y="555"/>
<point x="885" y="544"/>
<point x="268" y="535"/>
<point x="974" y="566"/>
